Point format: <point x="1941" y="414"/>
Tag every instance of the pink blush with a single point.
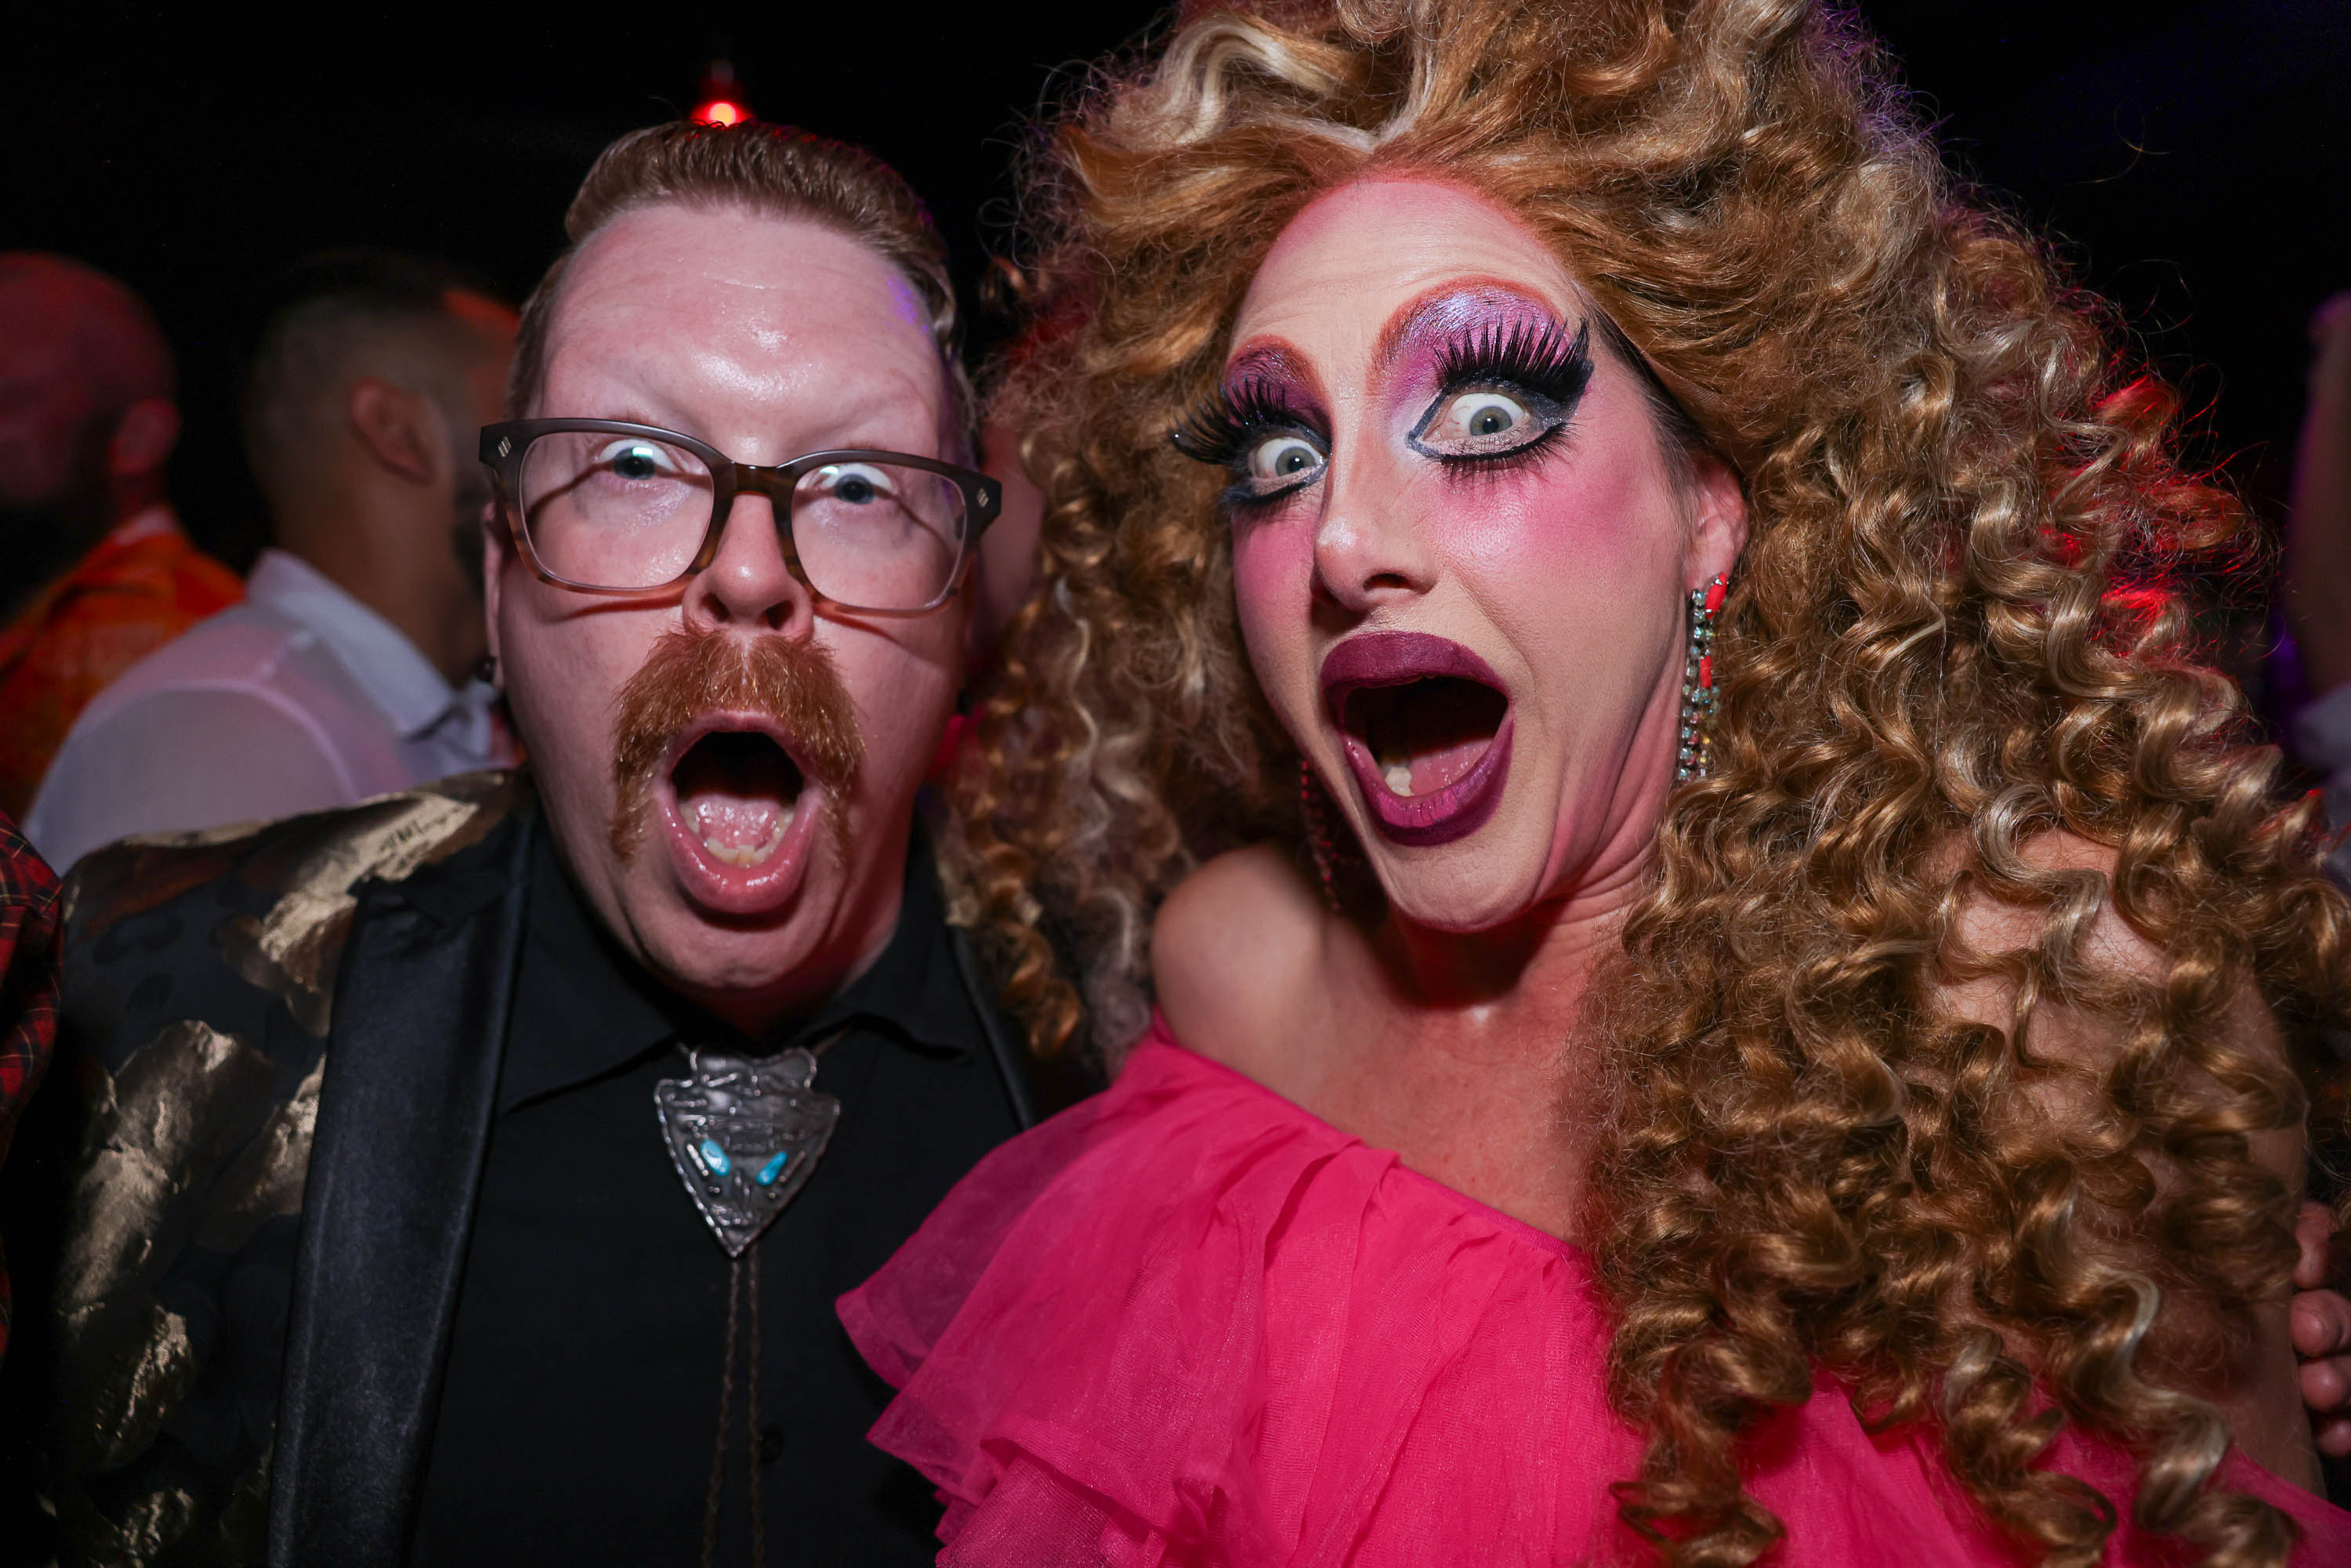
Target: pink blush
<point x="1274" y="570"/>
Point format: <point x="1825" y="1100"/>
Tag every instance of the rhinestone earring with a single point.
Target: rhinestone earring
<point x="1697" y="756"/>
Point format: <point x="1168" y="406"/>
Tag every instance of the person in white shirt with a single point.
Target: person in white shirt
<point x="349" y="672"/>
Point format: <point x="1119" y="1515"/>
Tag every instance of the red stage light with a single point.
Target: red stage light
<point x="720" y="101"/>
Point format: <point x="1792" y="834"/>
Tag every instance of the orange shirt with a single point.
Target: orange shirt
<point x="142" y="586"/>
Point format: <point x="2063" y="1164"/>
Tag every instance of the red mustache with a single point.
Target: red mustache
<point x="688" y="674"/>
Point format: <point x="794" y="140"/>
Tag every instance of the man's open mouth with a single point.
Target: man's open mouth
<point x="737" y="792"/>
<point x="1426" y="725"/>
<point x="737" y="753"/>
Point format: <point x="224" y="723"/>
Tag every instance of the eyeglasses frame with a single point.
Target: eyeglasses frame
<point x="503" y="445"/>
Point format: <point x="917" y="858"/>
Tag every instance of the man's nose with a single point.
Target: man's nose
<point x="748" y="585"/>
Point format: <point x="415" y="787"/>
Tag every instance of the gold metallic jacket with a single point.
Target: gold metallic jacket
<point x="259" y="1138"/>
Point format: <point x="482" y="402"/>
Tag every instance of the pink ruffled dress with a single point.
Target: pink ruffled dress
<point x="1186" y="1323"/>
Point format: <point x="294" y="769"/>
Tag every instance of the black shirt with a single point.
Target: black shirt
<point x="580" y="1402"/>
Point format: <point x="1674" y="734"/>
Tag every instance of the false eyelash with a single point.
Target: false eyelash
<point x="1539" y="358"/>
<point x="1223" y="425"/>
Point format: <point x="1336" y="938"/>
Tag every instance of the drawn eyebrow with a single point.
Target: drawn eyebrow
<point x="1272" y="361"/>
<point x="1451" y="297"/>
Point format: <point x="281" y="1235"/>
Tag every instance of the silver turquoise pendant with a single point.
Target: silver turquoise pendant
<point x="744" y="1133"/>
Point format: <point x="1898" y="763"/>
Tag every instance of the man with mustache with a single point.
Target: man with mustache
<point x="468" y="1176"/>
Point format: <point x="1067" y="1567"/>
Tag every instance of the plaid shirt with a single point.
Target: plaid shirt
<point x="29" y="992"/>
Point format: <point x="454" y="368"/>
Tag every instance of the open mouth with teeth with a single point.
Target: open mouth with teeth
<point x="737" y="792"/>
<point x="741" y="815"/>
<point x="1426" y="726"/>
<point x="1425" y="736"/>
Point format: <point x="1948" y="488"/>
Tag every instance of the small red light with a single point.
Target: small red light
<point x="720" y="100"/>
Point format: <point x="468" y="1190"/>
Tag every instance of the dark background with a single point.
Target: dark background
<point x="2192" y="163"/>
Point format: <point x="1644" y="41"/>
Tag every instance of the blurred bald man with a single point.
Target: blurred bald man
<point x="350" y="670"/>
<point x="95" y="573"/>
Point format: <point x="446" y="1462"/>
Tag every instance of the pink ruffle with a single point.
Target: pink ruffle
<point x="1187" y="1323"/>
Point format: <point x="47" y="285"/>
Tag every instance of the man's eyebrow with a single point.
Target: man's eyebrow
<point x="638" y="403"/>
<point x="869" y="404"/>
<point x="1455" y="297"/>
<point x="629" y="388"/>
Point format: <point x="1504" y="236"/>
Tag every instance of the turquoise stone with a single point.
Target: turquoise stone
<point x="713" y="1158"/>
<point x="773" y="1168"/>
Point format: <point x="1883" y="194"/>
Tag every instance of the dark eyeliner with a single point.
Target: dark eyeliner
<point x="1224" y="427"/>
<point x="1537" y="361"/>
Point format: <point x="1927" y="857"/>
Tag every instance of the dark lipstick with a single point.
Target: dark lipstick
<point x="1399" y="658"/>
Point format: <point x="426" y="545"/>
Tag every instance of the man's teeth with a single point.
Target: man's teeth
<point x="1399" y="778"/>
<point x="741" y="855"/>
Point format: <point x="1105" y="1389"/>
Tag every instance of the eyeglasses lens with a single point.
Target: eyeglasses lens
<point x="878" y="534"/>
<point x="604" y="510"/>
<point x="614" y="511"/>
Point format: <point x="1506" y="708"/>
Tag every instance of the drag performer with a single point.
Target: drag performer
<point x="1771" y="1004"/>
<point x="468" y="1176"/>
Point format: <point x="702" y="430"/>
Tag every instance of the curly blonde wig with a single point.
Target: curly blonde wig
<point x="1951" y="638"/>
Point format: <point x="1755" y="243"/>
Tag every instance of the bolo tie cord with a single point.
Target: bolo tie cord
<point x="742" y="1290"/>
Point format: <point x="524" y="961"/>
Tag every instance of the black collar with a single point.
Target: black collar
<point x="603" y="1011"/>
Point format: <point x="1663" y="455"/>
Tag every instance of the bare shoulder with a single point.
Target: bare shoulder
<point x="1234" y="956"/>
